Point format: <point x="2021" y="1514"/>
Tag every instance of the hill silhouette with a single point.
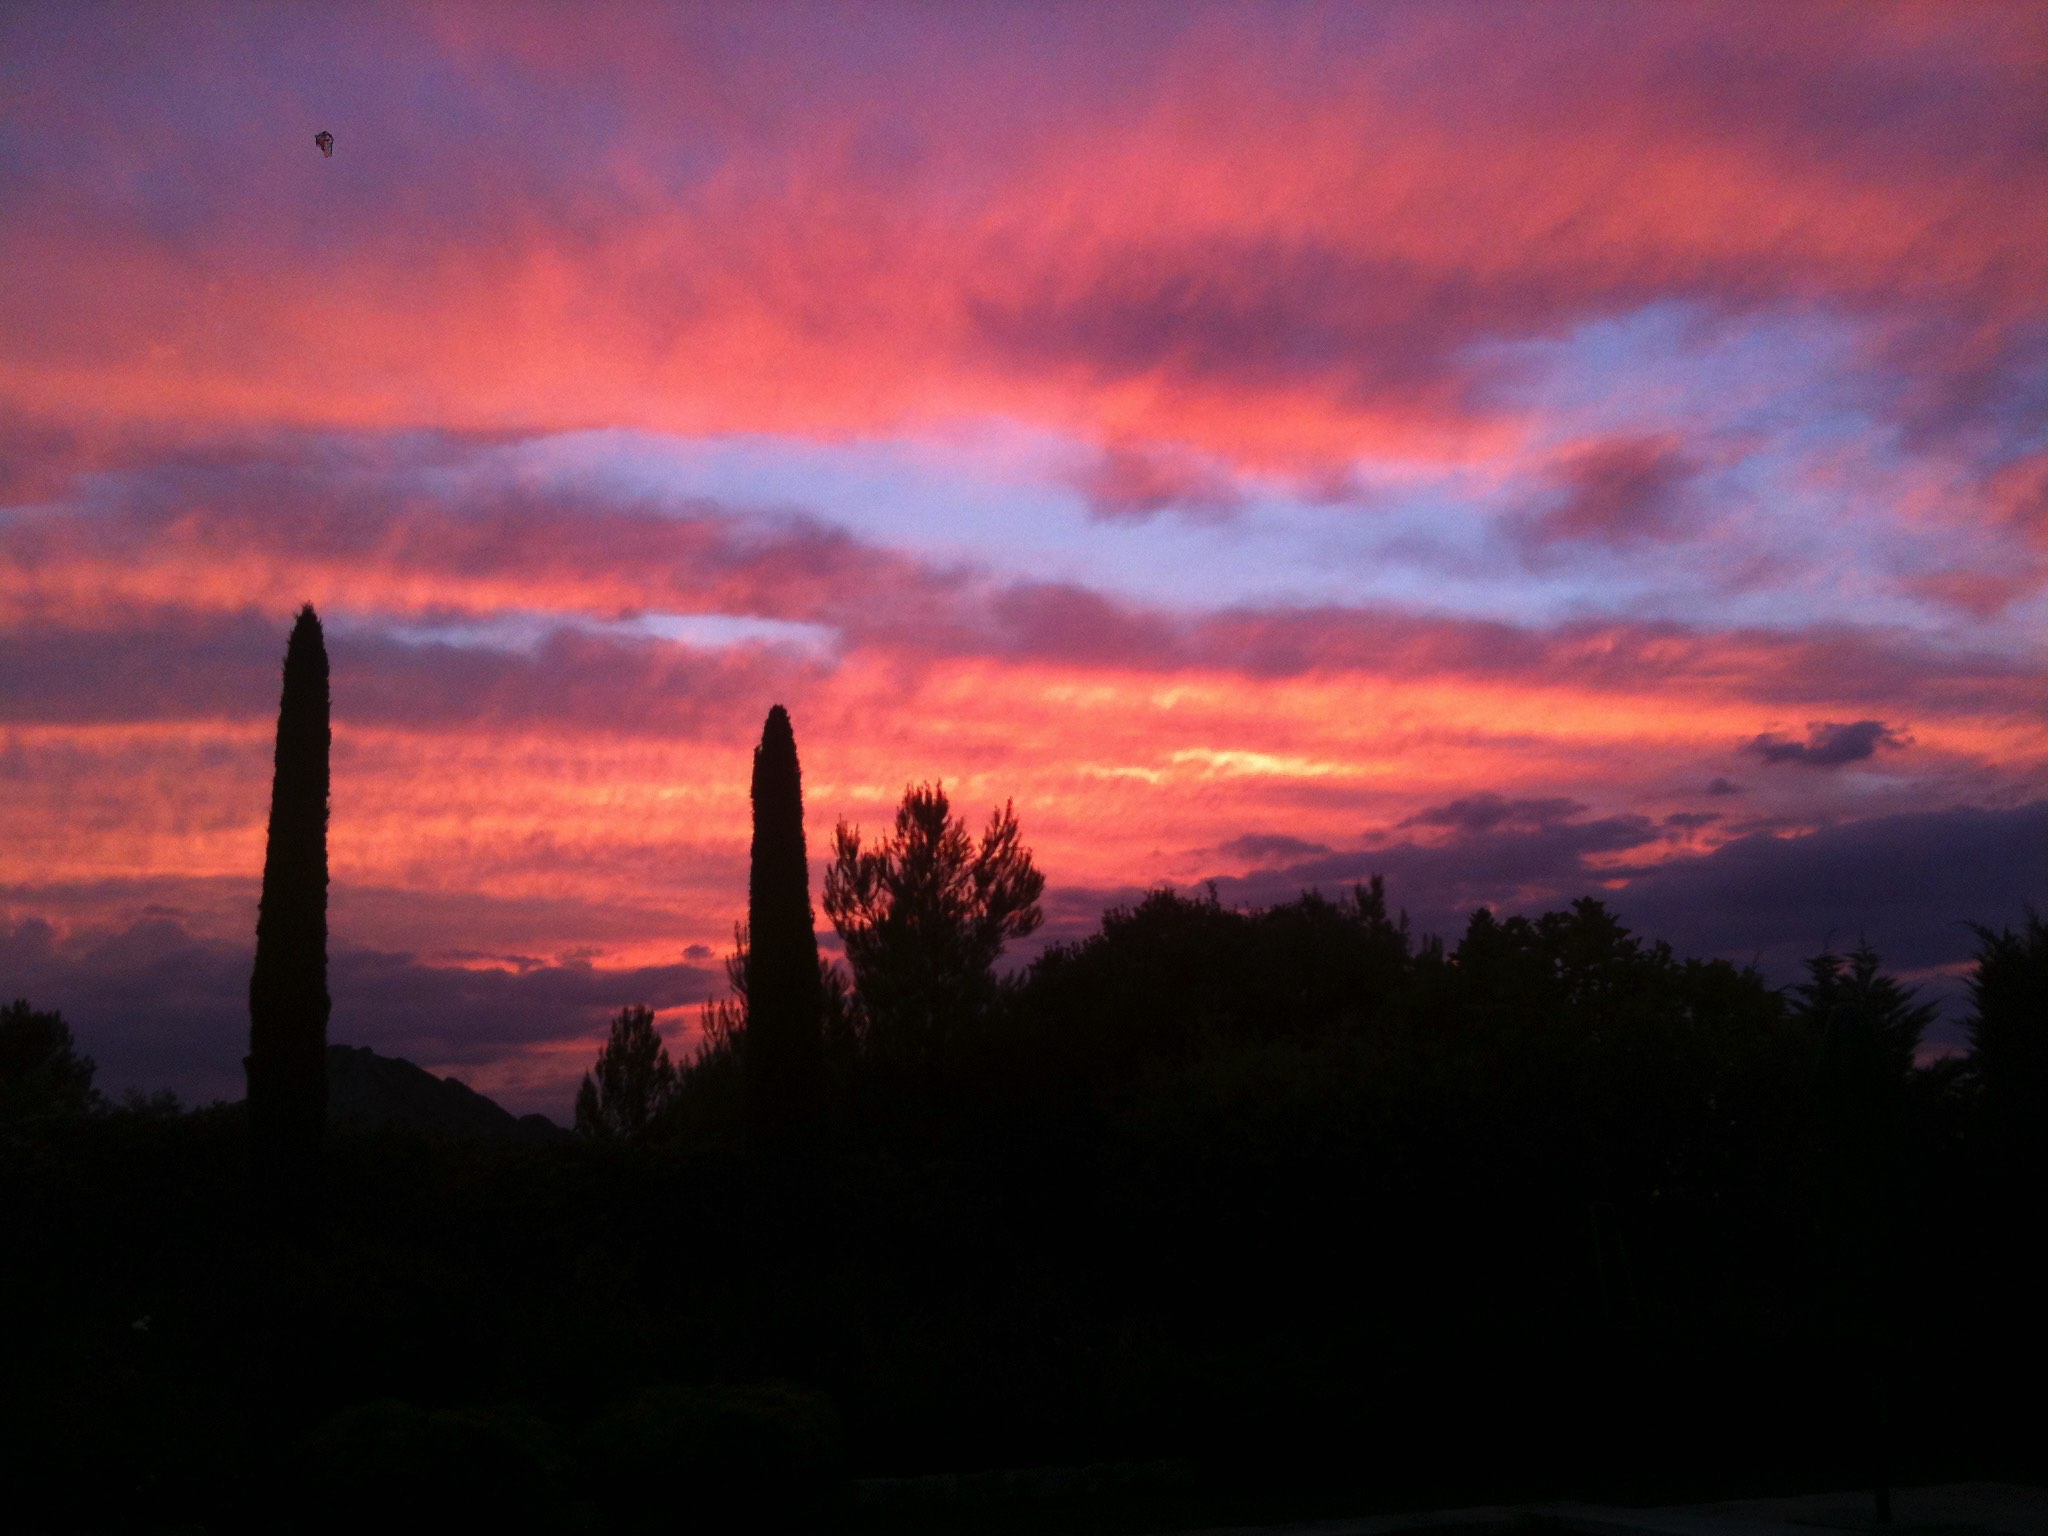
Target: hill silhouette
<point x="364" y="1088"/>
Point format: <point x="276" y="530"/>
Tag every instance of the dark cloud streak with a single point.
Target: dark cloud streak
<point x="1828" y="745"/>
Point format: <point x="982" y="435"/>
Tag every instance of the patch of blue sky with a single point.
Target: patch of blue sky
<point x="711" y="631"/>
<point x="1003" y="498"/>
<point x="1757" y="401"/>
<point x="518" y="633"/>
<point x="2022" y="629"/>
<point x="1802" y="478"/>
<point x="524" y="632"/>
<point x="1677" y="365"/>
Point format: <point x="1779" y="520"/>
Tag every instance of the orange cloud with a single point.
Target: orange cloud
<point x="1117" y="774"/>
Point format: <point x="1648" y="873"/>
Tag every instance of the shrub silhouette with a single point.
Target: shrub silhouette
<point x="288" y="1002"/>
<point x="2008" y="1033"/>
<point x="630" y="1088"/>
<point x="41" y="1072"/>
<point x="2006" y="1084"/>
<point x="1869" y="1026"/>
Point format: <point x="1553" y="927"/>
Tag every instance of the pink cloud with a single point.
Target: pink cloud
<point x="1278" y="242"/>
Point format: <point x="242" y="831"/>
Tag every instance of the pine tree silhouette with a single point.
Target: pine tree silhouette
<point x="925" y="914"/>
<point x="1869" y="1028"/>
<point x="288" y="1002"/>
<point x="785" y="1003"/>
<point x="2008" y="1028"/>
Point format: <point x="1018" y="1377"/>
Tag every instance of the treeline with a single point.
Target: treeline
<point x="1278" y="1211"/>
<point x="1293" y="1192"/>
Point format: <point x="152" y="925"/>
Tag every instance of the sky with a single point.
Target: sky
<point x="1526" y="450"/>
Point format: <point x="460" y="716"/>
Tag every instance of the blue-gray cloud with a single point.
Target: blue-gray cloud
<point x="1909" y="884"/>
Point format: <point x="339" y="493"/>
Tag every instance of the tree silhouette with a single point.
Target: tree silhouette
<point x="41" y="1072"/>
<point x="722" y="1021"/>
<point x="288" y="1002"/>
<point x="1868" y="1027"/>
<point x="783" y="1040"/>
<point x="2008" y="1069"/>
<point x="2008" y="1027"/>
<point x="632" y="1084"/>
<point x="925" y="914"/>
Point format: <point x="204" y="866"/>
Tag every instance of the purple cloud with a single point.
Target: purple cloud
<point x="1827" y="744"/>
<point x="1063" y="622"/>
<point x="1485" y="812"/>
<point x="1623" y="491"/>
<point x="1692" y="820"/>
<point x="1130" y="484"/>
<point x="1517" y="853"/>
<point x="1262" y="848"/>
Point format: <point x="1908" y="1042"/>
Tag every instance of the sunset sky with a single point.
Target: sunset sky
<point x="1526" y="450"/>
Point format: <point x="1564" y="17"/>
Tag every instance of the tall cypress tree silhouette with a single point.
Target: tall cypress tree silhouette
<point x="288" y="1003"/>
<point x="785" y="1002"/>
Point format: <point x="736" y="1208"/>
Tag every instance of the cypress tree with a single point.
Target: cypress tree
<point x="288" y="1002"/>
<point x="785" y="1002"/>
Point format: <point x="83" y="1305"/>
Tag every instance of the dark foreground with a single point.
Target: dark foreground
<point x="588" y="1337"/>
<point x="1238" y="1218"/>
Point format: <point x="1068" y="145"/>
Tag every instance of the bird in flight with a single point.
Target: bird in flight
<point x="326" y="142"/>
